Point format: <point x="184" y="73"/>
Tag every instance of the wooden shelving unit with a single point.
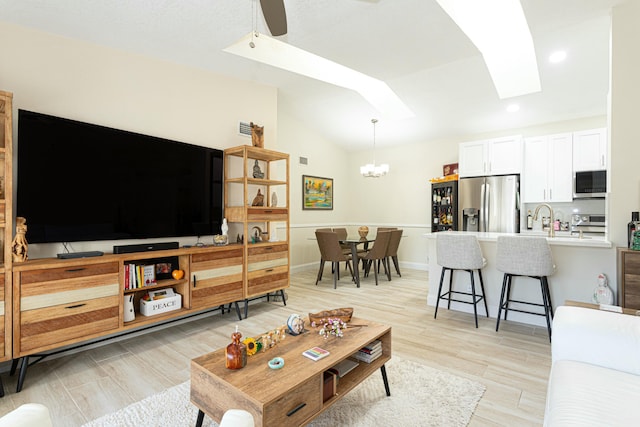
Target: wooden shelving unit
<point x="6" y="222"/>
<point x="266" y="259"/>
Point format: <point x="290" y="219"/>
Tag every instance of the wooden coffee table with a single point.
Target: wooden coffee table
<point x="292" y="395"/>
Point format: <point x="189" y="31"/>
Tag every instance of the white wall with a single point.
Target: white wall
<point x="624" y="114"/>
<point x="324" y="159"/>
<point x="73" y="79"/>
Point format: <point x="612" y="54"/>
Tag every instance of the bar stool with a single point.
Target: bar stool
<point x="526" y="257"/>
<point x="460" y="252"/>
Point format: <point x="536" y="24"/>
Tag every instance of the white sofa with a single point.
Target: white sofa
<point x="27" y="415"/>
<point x="595" y="372"/>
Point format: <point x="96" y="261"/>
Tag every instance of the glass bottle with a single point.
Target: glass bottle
<point x="236" y="352"/>
<point x="529" y="220"/>
<point x="632" y="227"/>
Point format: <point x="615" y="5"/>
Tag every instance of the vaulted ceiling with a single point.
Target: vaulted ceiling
<point x="412" y="45"/>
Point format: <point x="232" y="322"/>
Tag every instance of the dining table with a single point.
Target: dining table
<point x="353" y="243"/>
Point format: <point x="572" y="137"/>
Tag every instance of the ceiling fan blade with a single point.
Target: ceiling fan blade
<point x="275" y="16"/>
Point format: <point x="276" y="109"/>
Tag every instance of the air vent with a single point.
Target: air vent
<point x="304" y="161"/>
<point x="244" y="129"/>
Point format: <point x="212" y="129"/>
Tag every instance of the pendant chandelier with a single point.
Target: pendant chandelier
<point x="371" y="170"/>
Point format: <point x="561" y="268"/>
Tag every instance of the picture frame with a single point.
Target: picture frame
<point x="317" y="193"/>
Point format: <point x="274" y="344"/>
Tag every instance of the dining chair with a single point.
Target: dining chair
<point x="342" y="234"/>
<point x="331" y="251"/>
<point x="392" y="251"/>
<point x="377" y="253"/>
<point x="321" y="261"/>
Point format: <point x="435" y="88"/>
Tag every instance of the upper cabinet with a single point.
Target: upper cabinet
<point x="547" y="173"/>
<point x="498" y="156"/>
<point x="590" y="150"/>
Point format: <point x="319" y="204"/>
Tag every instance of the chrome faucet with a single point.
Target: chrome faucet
<point x="552" y="233"/>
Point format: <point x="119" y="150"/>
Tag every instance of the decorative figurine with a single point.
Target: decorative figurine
<point x="20" y="247"/>
<point x="257" y="173"/>
<point x="258" y="200"/>
<point x="257" y="235"/>
<point x="236" y="352"/>
<point x="224" y="227"/>
<point x="274" y="199"/>
<point x="257" y="136"/>
<point x="295" y="324"/>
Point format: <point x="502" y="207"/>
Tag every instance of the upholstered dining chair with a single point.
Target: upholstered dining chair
<point x="331" y="251"/>
<point x="392" y="251"/>
<point x="377" y="253"/>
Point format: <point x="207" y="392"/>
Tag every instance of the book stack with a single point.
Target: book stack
<point x="369" y="352"/>
<point x="139" y="276"/>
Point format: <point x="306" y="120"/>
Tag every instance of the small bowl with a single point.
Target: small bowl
<point x="220" y="239"/>
<point x="276" y="363"/>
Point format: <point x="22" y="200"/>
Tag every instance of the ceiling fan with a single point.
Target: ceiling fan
<point x="276" y="17"/>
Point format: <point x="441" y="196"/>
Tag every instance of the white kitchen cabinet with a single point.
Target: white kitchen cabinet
<point x="497" y="156"/>
<point x="590" y="150"/>
<point x="547" y="174"/>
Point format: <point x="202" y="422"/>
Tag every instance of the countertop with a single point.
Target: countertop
<point x="562" y="238"/>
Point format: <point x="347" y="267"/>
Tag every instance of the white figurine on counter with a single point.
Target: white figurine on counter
<point x="602" y="294"/>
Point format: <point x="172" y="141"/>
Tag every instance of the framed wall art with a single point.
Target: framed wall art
<point x="317" y="193"/>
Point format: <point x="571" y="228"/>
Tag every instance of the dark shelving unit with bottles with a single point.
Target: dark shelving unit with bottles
<point x="444" y="206"/>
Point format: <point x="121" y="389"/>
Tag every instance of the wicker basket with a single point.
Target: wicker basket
<point x="343" y="314"/>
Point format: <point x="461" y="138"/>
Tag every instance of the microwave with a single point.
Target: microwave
<point x="589" y="184"/>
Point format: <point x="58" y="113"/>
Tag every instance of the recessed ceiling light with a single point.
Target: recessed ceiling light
<point x="513" y="108"/>
<point x="558" y="56"/>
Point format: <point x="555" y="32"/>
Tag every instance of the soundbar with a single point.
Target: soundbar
<point x="127" y="249"/>
<point x="86" y="254"/>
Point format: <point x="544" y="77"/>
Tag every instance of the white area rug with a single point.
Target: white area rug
<point x="420" y="396"/>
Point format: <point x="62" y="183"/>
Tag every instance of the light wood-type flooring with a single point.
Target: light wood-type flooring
<point x="513" y="363"/>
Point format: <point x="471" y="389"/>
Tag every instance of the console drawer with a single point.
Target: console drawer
<point x="267" y="269"/>
<point x="296" y="406"/>
<point x="267" y="214"/>
<point x="266" y="257"/>
<point x="64" y="324"/>
<point x="63" y="305"/>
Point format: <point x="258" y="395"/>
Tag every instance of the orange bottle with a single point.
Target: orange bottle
<point x="236" y="352"/>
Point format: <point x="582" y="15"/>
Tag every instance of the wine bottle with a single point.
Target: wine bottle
<point x="632" y="227"/>
<point x="529" y="221"/>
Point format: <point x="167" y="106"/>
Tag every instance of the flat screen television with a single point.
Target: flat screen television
<point x="84" y="182"/>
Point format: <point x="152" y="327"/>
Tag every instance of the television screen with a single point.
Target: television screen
<point x="83" y="182"/>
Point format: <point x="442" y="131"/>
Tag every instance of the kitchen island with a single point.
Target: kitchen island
<point x="578" y="263"/>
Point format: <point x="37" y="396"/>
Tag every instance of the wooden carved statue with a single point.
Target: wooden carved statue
<point x="257" y="135"/>
<point x="257" y="173"/>
<point x="20" y="247"/>
<point x="258" y="200"/>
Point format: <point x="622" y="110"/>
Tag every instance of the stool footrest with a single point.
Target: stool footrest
<point x="478" y="297"/>
<point x="504" y="307"/>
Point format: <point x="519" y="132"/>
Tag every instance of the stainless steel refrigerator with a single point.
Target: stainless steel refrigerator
<point x="489" y="203"/>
